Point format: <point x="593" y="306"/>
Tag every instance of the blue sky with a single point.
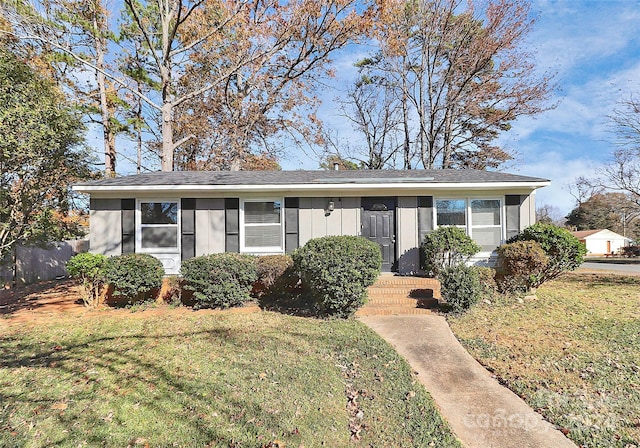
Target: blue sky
<point x="594" y="47"/>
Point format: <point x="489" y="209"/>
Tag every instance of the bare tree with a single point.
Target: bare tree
<point x="550" y="214"/>
<point x="622" y="172"/>
<point x="461" y="74"/>
<point x="375" y="111"/>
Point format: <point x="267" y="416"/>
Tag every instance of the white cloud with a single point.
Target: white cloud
<point x="562" y="172"/>
<point x="570" y="33"/>
<point x="581" y="113"/>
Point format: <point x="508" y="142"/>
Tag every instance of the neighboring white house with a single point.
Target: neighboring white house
<point x="602" y="241"/>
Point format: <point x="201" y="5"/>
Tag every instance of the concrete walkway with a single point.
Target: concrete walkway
<point x="481" y="412"/>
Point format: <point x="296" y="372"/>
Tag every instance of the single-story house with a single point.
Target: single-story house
<point x="602" y="241"/>
<point x="177" y="215"/>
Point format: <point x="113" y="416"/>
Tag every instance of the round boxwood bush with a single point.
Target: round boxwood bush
<point x="445" y="247"/>
<point x="275" y="275"/>
<point x="89" y="269"/>
<point x="336" y="271"/>
<point x="219" y="280"/>
<point x="521" y="262"/>
<point x="460" y="286"/>
<point x="564" y="250"/>
<point x="134" y="276"/>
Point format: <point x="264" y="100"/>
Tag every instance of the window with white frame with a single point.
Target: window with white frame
<point x="481" y="218"/>
<point x="262" y="229"/>
<point x="485" y="222"/>
<point x="158" y="226"/>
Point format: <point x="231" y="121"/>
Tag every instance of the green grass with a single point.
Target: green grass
<point x="195" y="379"/>
<point x="573" y="354"/>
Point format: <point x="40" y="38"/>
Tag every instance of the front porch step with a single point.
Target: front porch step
<point x="394" y="281"/>
<point x="404" y="301"/>
<point x="390" y="311"/>
<point x="414" y="293"/>
<point x="395" y="295"/>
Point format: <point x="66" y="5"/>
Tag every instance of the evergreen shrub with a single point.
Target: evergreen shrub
<point x="134" y="276"/>
<point x="336" y="271"/>
<point x="219" y="280"/>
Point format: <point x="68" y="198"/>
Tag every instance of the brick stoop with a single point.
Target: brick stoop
<point x="396" y="295"/>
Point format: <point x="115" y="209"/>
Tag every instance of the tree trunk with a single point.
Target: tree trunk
<point x="446" y="146"/>
<point x="405" y="121"/>
<point x="108" y="135"/>
<point x="167" y="17"/>
<point x="167" y="137"/>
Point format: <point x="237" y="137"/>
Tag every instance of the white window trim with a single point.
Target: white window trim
<point x="261" y="250"/>
<point x="493" y="226"/>
<point x="468" y="227"/>
<point x="157" y="250"/>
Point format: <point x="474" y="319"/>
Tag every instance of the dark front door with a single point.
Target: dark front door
<point x="379" y="226"/>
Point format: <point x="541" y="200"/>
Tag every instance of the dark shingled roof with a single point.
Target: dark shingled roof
<point x="309" y="177"/>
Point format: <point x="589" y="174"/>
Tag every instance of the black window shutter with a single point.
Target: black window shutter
<point x="512" y="204"/>
<point x="291" y="206"/>
<point x="232" y="224"/>
<point x="188" y="228"/>
<point x="425" y="217"/>
<point x="128" y="222"/>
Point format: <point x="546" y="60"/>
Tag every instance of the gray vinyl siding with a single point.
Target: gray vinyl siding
<point x="528" y="211"/>
<point x="407" y="236"/>
<point x="105" y="218"/>
<point x="315" y="222"/>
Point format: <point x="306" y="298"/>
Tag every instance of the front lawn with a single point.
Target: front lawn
<point x="197" y="379"/>
<point x="573" y="354"/>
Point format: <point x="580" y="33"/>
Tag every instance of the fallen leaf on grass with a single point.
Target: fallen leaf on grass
<point x="138" y="441"/>
<point x="59" y="406"/>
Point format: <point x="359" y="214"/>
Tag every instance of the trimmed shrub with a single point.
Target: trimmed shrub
<point x="460" y="286"/>
<point x="446" y="247"/>
<point x="89" y="269"/>
<point x="336" y="271"/>
<point x="134" y="276"/>
<point x="487" y="279"/>
<point x="275" y="275"/>
<point x="522" y="263"/>
<point x="219" y="280"/>
<point x="564" y="250"/>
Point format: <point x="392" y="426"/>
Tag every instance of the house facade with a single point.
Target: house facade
<point x="177" y="215"/>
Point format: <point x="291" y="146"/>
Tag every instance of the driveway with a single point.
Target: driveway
<point x="611" y="266"/>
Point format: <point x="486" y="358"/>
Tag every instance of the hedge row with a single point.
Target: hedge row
<point x="334" y="272"/>
<point x="540" y="253"/>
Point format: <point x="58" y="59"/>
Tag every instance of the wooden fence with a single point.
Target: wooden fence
<point x="34" y="264"/>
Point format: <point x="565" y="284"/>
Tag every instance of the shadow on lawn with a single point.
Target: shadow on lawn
<point x="118" y="371"/>
<point x="291" y="304"/>
<point x="54" y="294"/>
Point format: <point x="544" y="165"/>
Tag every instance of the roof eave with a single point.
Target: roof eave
<point x="311" y="187"/>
